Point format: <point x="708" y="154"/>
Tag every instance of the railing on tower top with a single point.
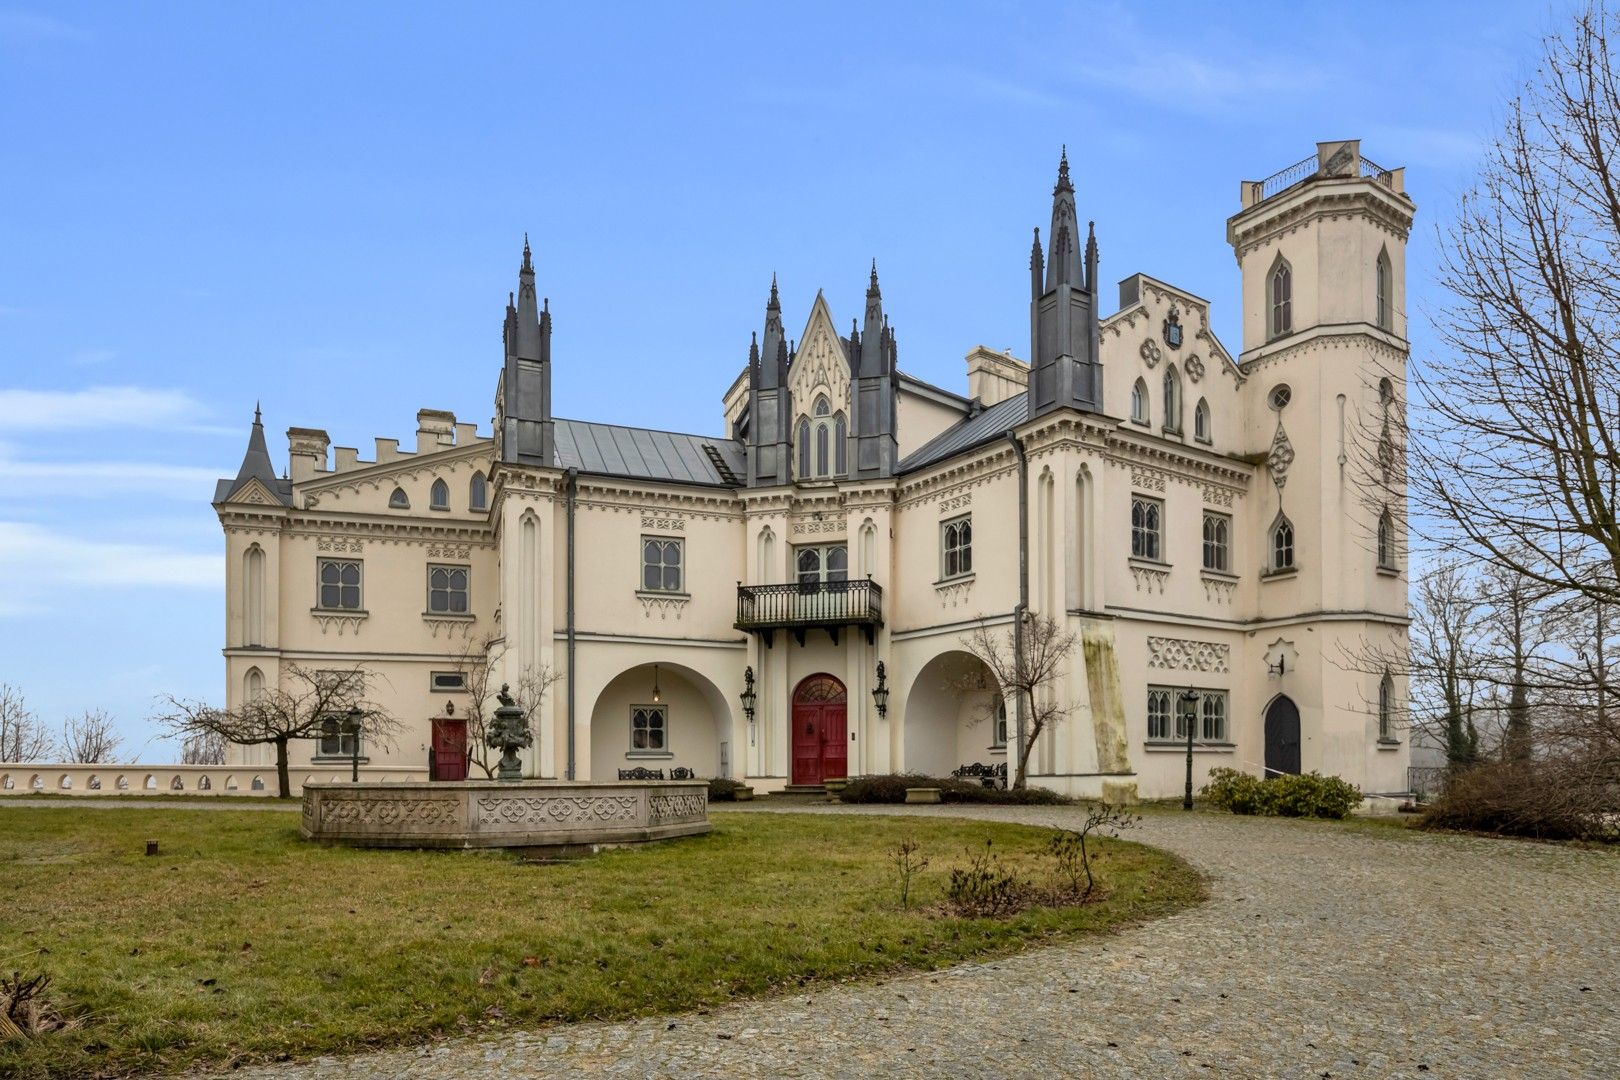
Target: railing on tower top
<point x="821" y="603"/>
<point x="1309" y="169"/>
<point x="1374" y="171"/>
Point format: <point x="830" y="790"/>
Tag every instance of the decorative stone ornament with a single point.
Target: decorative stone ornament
<point x="1194" y="367"/>
<point x="509" y="733"/>
<point x="1280" y="457"/>
<point x="1151" y="352"/>
<point x="1172" y="328"/>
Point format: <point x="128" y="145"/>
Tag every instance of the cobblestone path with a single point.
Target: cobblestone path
<point x="1324" y="952"/>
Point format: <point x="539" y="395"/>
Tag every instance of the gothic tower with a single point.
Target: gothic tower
<point x="770" y="402"/>
<point x="873" y="391"/>
<point x="527" y="433"/>
<point x="1064" y="345"/>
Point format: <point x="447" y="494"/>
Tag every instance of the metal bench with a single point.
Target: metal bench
<point x="638" y="773"/>
<point x="681" y="772"/>
<point x="988" y="775"/>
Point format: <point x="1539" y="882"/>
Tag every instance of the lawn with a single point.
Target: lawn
<point x="240" y="942"/>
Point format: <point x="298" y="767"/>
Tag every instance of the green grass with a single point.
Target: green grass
<point x="240" y="942"/>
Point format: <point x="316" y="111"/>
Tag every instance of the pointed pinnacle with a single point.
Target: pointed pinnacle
<point x="774" y="301"/>
<point x="528" y="263"/>
<point x="256" y="416"/>
<point x="1063" y="171"/>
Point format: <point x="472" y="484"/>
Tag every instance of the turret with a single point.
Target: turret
<point x="1064" y="333"/>
<point x="256" y="465"/>
<point x="770" y="404"/>
<point x="526" y="427"/>
<point x="874" y="393"/>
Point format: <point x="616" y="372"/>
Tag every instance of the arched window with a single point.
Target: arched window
<point x="831" y="440"/>
<point x="840" y="445"/>
<point x="1201" y="421"/>
<point x="1139" y="402"/>
<point x="804" y="447"/>
<point x="399" y="500"/>
<point x="1158" y="713"/>
<point x="1213" y="709"/>
<point x="1386" y="708"/>
<point x="478" y="492"/>
<point x="1217" y="542"/>
<point x="823" y="438"/>
<point x="1282" y="298"/>
<point x="1282" y="544"/>
<point x="439" y="495"/>
<point x="1381" y="276"/>
<point x="1386" y="394"/>
<point x="1172" y="399"/>
<point x="1386" y="540"/>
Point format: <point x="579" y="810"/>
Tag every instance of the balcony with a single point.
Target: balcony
<point x="822" y="605"/>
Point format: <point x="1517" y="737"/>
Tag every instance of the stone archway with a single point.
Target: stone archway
<point x="1282" y="736"/>
<point x="662" y="716"/>
<point x="955" y="715"/>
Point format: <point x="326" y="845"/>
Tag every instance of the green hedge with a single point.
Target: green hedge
<point x="1309" y="795"/>
<point x="891" y="788"/>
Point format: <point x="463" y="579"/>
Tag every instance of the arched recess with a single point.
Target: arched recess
<point x="527" y="617"/>
<point x="765" y="557"/>
<point x="1046" y="542"/>
<point x="1084" y="540"/>
<point x="868" y="562"/>
<point x="1282" y="737"/>
<point x="253" y="596"/>
<point x="954" y="716"/>
<point x="252" y="684"/>
<point x="696" y="718"/>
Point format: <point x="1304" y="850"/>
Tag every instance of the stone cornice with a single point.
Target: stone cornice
<point x="1321" y="338"/>
<point x="389" y="530"/>
<point x="1266" y="221"/>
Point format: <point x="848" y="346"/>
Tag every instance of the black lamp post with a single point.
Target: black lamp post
<point x="355" y="716"/>
<point x="880" y="692"/>
<point x="1189" y="713"/>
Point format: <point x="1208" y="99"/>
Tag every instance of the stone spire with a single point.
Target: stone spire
<point x="770" y="404"/>
<point x="1064" y="349"/>
<point x="874" y="394"/>
<point x="526" y="428"/>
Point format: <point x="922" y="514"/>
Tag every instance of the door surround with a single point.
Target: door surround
<point x="820" y="729"/>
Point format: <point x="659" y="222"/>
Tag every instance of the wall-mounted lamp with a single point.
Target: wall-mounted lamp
<point x="449" y="708"/>
<point x="657" y="697"/>
<point x="749" y="698"/>
<point x="1278" y="669"/>
<point x="880" y="692"/>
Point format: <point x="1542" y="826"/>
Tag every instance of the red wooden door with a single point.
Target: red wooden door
<point x="820" y="731"/>
<point x="449" y="748"/>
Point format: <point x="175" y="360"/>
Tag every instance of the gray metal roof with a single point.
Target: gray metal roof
<point x="994" y="422"/>
<point x="644" y="454"/>
<point x="281" y="489"/>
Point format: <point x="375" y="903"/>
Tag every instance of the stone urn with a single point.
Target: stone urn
<point x="509" y="733"/>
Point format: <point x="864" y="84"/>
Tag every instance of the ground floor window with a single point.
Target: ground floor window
<point x="1167" y="714"/>
<point x="1000" y="736"/>
<point x="339" y="738"/>
<point x="649" y="728"/>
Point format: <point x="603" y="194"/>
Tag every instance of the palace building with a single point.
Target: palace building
<point x="790" y="601"/>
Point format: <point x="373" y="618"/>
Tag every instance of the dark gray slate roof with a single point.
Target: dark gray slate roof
<point x="256" y="465"/>
<point x="993" y="423"/>
<point x="643" y="454"/>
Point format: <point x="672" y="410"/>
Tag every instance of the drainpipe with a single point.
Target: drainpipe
<point x="1023" y="590"/>
<point x="573" y="498"/>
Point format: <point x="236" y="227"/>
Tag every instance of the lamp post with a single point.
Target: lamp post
<point x="880" y="692"/>
<point x="355" y="716"/>
<point x="1189" y="713"/>
<point x="749" y="698"/>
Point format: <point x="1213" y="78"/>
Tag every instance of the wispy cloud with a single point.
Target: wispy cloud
<point x="93" y="479"/>
<point x="105" y="407"/>
<point x="55" y="558"/>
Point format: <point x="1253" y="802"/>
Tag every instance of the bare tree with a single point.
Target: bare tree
<point x="1030" y="677"/>
<point x="1520" y="460"/>
<point x="478" y="664"/>
<point x="297" y="708"/>
<point x="89" y="738"/>
<point x="202" y="748"/>
<point x="22" y="736"/>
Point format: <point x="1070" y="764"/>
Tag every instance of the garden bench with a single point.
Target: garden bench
<point x="988" y="775"/>
<point x="638" y="773"/>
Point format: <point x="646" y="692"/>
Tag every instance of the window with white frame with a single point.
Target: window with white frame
<point x="1386" y="708"/>
<point x="662" y="559"/>
<point x="1158" y="715"/>
<point x="1172" y="400"/>
<point x="339" y="584"/>
<point x="649" y="729"/>
<point x="821" y="564"/>
<point x="447" y="590"/>
<point x="1139" y="402"/>
<point x="478" y="492"/>
<point x="447" y="681"/>
<point x="998" y="738"/>
<point x="956" y="547"/>
<point x="1147" y="516"/>
<point x="339" y="738"/>
<point x="1217" y="542"/>
<point x="1168" y="711"/>
<point x="1212" y="716"/>
<point x="439" y="495"/>
<point x="1201" y="425"/>
<point x="1282" y="298"/>
<point x="823" y="441"/>
<point x="1282" y="544"/>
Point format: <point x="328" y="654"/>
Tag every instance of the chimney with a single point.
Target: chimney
<point x="307" y="449"/>
<point x="993" y="376"/>
<point x="435" y="430"/>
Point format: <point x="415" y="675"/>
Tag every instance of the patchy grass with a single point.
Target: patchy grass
<point x="241" y="942"/>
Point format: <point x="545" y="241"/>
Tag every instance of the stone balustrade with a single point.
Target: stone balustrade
<point x="40" y="778"/>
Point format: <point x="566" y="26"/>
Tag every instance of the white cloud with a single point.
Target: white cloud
<point x="69" y="479"/>
<point x="102" y="407"/>
<point x="46" y="558"/>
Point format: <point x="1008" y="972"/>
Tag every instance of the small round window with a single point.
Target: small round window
<point x="1281" y="395"/>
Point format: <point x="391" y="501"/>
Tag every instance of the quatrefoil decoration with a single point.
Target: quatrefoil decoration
<point x="1151" y="352"/>
<point x="1195" y="367"/>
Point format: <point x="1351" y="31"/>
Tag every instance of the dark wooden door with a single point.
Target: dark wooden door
<point x="1282" y="737"/>
<point x="820" y="731"/>
<point x="449" y="748"/>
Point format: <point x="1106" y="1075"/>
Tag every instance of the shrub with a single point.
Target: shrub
<point x="1549" y="800"/>
<point x="724" y="789"/>
<point x="891" y="788"/>
<point x="883" y="787"/>
<point x="1307" y="795"/>
<point x="984" y="888"/>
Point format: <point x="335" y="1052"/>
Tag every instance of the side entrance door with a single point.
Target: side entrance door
<point x="448" y="756"/>
<point x="1282" y="737"/>
<point x="820" y="731"/>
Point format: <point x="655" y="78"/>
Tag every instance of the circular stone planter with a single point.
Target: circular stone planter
<point x="554" y="815"/>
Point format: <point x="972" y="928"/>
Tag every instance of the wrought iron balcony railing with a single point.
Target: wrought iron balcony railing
<point x="823" y="605"/>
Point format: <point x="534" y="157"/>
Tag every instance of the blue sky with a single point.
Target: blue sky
<point x="322" y="206"/>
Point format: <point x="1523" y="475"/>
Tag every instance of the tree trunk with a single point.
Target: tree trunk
<point x="283" y="784"/>
<point x="1021" y="775"/>
<point x="1516" y="740"/>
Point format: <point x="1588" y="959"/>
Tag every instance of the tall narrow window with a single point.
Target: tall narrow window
<point x="840" y="445"/>
<point x="1172" y="400"/>
<point x="447" y="590"/>
<point x="1282" y="544"/>
<point x="439" y="496"/>
<point x="830" y="433"/>
<point x="804" y="447"/>
<point x="1146" y="524"/>
<point x="1212" y="710"/>
<point x="822" y="440"/>
<point x="1282" y="299"/>
<point x="956" y="548"/>
<point x="1158" y="715"/>
<point x="1201" y="430"/>
<point x="1386" y="708"/>
<point x="1386" y="540"/>
<point x="1217" y="542"/>
<point x="478" y="492"/>
<point x="1139" y="402"/>
<point x="1381" y="288"/>
<point x="661" y="564"/>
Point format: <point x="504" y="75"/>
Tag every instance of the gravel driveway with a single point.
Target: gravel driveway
<point x="1324" y="952"/>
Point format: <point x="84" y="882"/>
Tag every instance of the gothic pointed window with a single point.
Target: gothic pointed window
<point x="829" y="433"/>
<point x="1282" y="544"/>
<point x="1139" y="402"/>
<point x="439" y="495"/>
<point x="1282" y="298"/>
<point x="1201" y="430"/>
<point x="840" y="445"/>
<point x="1146" y="528"/>
<point x="478" y="492"/>
<point x="1381" y="282"/>
<point x="1172" y="400"/>
<point x="803" y="441"/>
<point x="1386" y="708"/>
<point x="399" y="500"/>
<point x="1386" y="540"/>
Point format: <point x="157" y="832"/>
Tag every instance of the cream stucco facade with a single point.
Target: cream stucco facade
<point x="821" y="535"/>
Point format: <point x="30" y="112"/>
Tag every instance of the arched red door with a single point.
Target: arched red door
<point x="820" y="730"/>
